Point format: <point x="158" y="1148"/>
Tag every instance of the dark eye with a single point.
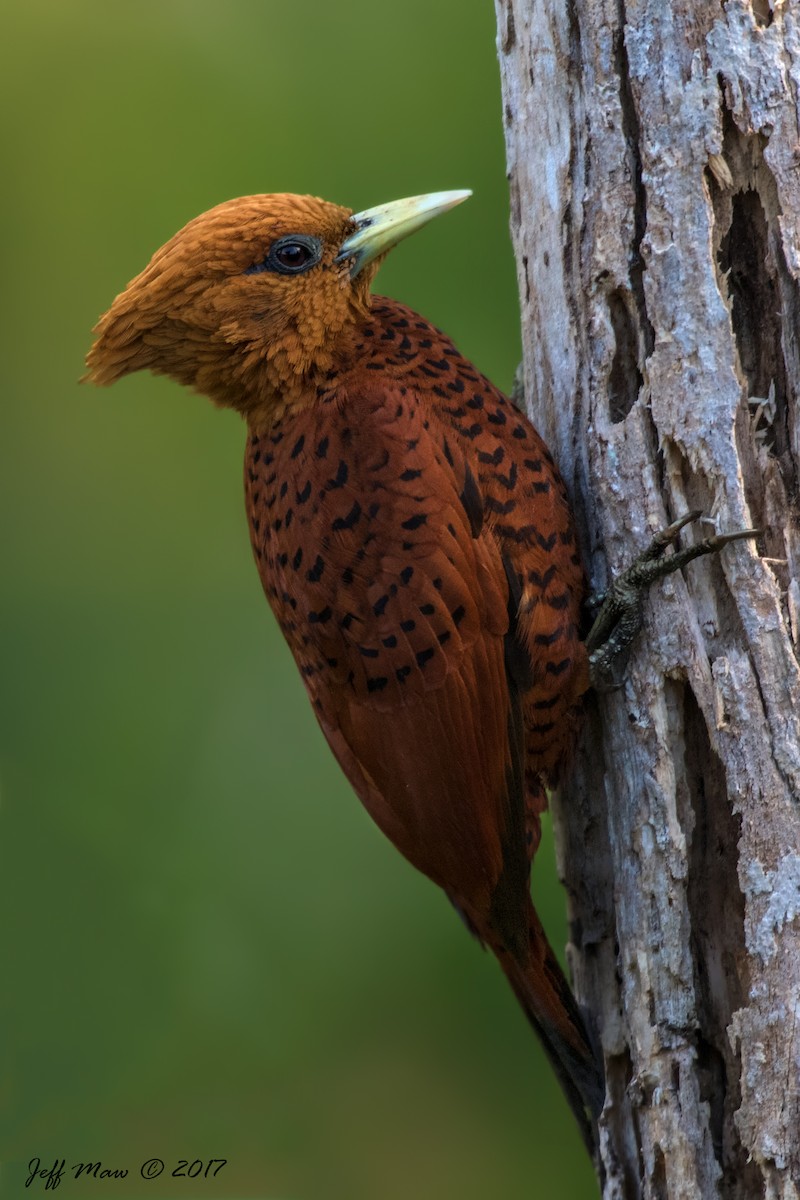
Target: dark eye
<point x="290" y="255"/>
<point x="293" y="256"/>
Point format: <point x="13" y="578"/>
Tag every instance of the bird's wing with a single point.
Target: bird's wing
<point x="526" y="507"/>
<point x="397" y="613"/>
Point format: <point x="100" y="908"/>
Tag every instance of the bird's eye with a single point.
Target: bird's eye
<point x="290" y="255"/>
<point x="293" y="256"/>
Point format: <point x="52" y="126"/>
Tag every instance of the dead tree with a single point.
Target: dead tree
<point x="654" y="162"/>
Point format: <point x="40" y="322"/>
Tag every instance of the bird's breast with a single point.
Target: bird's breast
<point x="388" y="516"/>
<point x="365" y="549"/>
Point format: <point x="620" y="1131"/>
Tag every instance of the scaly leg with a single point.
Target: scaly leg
<point x="620" y="615"/>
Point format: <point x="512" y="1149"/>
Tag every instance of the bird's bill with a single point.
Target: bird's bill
<point x="376" y="230"/>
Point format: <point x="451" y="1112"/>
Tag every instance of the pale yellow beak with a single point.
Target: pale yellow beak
<point x="376" y="230"/>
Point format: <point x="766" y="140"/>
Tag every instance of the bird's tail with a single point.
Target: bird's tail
<point x="547" y="1000"/>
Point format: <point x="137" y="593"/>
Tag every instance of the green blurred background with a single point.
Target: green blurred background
<point x="209" y="951"/>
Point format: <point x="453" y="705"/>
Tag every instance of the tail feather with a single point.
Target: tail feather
<point x="547" y="1000"/>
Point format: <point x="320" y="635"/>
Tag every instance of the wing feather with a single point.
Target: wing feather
<point x="399" y="626"/>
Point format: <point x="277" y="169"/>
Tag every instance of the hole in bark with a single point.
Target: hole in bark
<point x="619" y="1075"/>
<point x="509" y="39"/>
<point x="755" y="300"/>
<point x="625" y="378"/>
<point x="716" y="908"/>
<point x="762" y="12"/>
<point x="711" y="1075"/>
<point x="764" y="301"/>
<point x="633" y="135"/>
<point x="658" y="1179"/>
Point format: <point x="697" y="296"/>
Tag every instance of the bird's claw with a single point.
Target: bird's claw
<point x="620" y="608"/>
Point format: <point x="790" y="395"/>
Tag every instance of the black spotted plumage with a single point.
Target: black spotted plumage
<point x="448" y="672"/>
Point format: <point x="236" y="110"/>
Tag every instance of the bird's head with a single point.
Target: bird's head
<point x="249" y="301"/>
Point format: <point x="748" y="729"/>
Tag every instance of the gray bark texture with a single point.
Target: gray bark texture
<point x="654" y="162"/>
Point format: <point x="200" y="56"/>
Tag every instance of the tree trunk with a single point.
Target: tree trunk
<point x="654" y="160"/>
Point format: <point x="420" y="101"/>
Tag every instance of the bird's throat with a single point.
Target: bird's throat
<point x="268" y="380"/>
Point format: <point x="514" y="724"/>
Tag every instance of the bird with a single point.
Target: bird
<point x="414" y="540"/>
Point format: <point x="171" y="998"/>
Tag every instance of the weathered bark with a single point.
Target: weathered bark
<point x="654" y="161"/>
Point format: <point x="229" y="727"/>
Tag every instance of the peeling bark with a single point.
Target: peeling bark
<point x="654" y="163"/>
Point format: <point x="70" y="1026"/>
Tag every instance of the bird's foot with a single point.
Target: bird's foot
<point x="619" y="610"/>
